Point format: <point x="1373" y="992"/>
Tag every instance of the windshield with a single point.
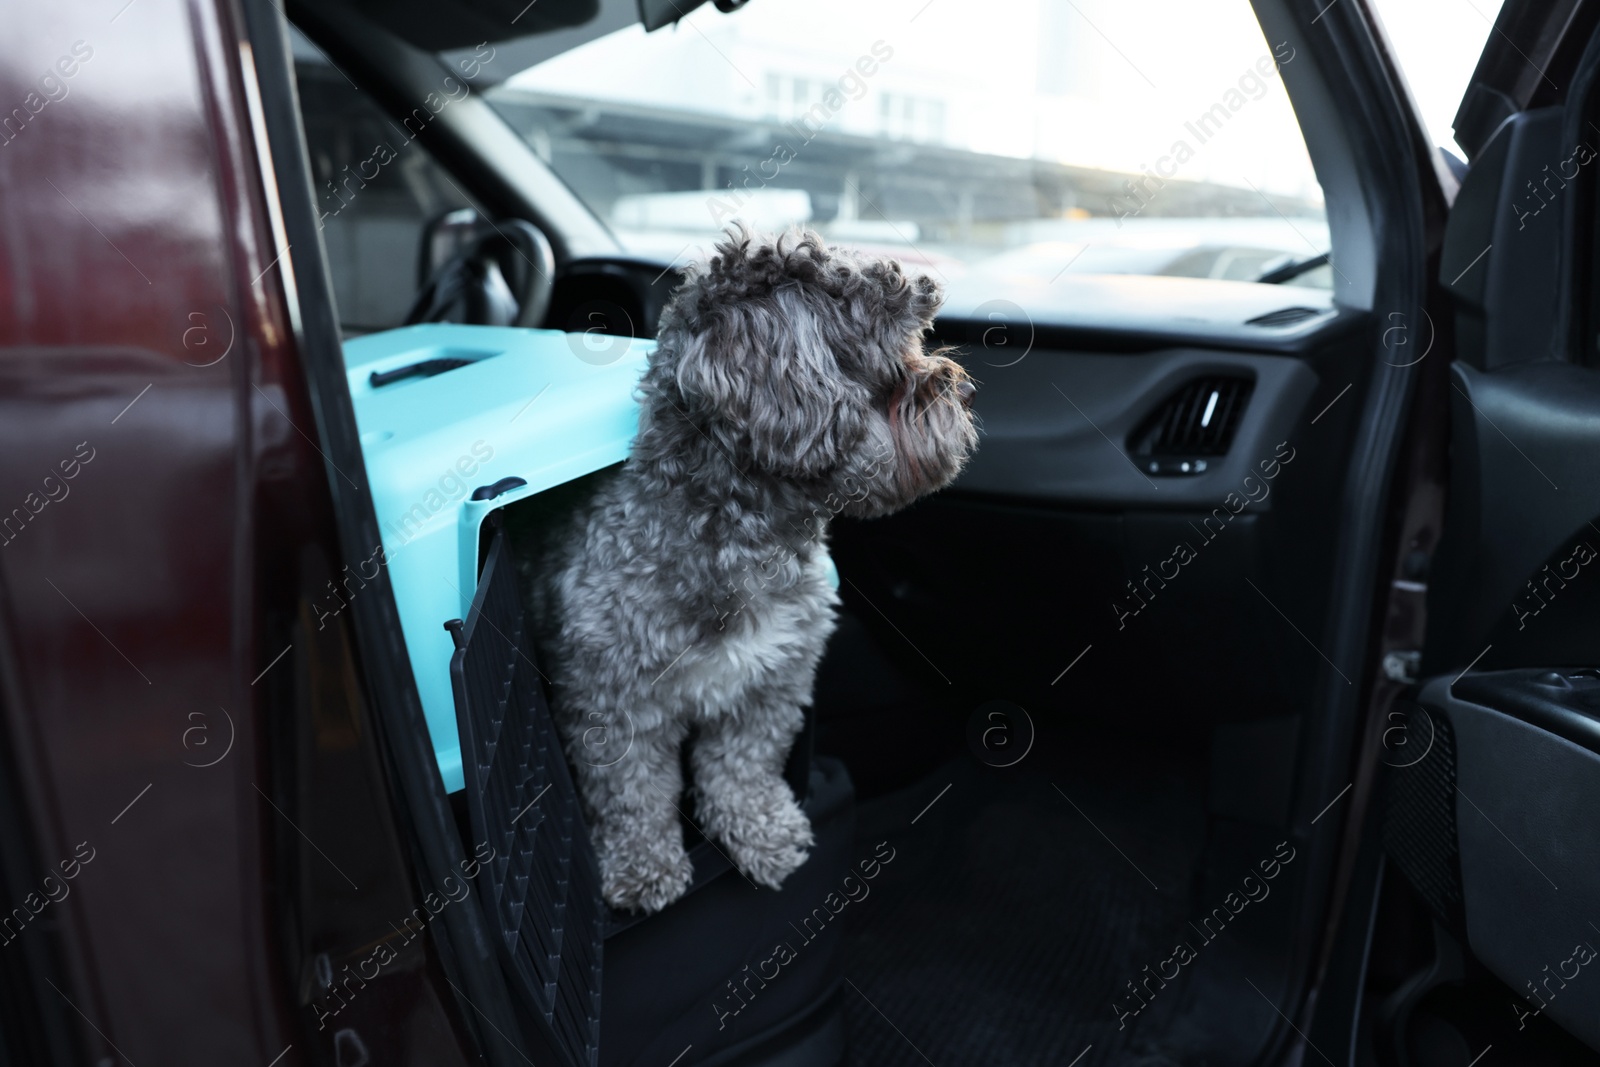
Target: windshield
<point x="1026" y="137"/>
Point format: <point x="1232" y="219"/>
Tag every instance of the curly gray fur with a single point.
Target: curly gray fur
<point x="789" y="385"/>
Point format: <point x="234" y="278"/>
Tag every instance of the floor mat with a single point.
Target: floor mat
<point x="1017" y="905"/>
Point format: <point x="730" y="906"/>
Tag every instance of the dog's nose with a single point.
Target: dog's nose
<point x="966" y="391"/>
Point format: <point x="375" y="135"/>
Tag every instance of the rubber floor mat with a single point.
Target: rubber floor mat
<point x="1015" y="905"/>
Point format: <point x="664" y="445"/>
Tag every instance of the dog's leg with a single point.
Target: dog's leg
<point x="743" y="800"/>
<point x="632" y="800"/>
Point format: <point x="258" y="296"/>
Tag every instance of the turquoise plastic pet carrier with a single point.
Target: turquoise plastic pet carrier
<point x="457" y="421"/>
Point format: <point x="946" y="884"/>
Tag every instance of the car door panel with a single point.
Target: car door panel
<point x="1058" y="543"/>
<point x="1524" y="773"/>
<point x="1513" y="571"/>
<point x="1057" y="424"/>
<point x="1494" y="773"/>
<point x="1501" y="253"/>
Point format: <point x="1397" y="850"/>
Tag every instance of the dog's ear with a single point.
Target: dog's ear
<point x="765" y="371"/>
<point x="912" y="300"/>
<point x="926" y="297"/>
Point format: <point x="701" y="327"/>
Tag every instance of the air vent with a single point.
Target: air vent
<point x="1284" y="317"/>
<point x="1198" y="420"/>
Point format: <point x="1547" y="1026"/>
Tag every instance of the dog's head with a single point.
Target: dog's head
<point x="805" y="362"/>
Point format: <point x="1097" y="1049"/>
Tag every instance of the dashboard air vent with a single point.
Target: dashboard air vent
<point x="1200" y="419"/>
<point x="1283" y="317"/>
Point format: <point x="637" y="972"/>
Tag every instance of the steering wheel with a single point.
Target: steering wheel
<point x="501" y="273"/>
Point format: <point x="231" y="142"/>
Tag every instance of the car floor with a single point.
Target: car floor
<point x="1019" y="902"/>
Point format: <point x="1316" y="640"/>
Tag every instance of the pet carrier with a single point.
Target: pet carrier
<point x="456" y="422"/>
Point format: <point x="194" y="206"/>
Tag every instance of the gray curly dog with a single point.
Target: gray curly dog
<point x="690" y="590"/>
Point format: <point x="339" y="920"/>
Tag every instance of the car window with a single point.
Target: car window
<point x="377" y="189"/>
<point x="1038" y="137"/>
<point x="1437" y="55"/>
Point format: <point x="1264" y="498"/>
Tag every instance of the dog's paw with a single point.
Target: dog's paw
<point x="768" y="845"/>
<point x="644" y="879"/>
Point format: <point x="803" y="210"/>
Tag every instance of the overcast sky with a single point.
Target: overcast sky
<point x="1102" y="83"/>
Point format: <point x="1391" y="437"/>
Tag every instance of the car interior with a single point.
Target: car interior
<point x="1090" y="715"/>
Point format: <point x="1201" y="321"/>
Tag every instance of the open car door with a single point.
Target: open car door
<point x="1494" y="759"/>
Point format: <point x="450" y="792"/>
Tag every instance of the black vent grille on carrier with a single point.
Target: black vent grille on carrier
<point x="541" y="892"/>
<point x="1196" y="422"/>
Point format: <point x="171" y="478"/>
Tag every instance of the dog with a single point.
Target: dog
<point x="690" y="590"/>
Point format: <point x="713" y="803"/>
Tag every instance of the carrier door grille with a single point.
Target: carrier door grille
<point x="541" y="892"/>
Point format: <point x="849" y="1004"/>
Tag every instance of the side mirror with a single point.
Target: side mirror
<point x="476" y="270"/>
